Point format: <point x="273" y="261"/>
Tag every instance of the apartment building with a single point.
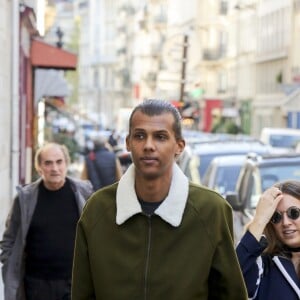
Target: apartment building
<point x="273" y="62"/>
<point x="238" y="58"/>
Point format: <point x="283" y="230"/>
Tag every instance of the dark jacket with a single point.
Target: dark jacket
<point x="17" y="225"/>
<point x="184" y="251"/>
<point x="101" y="167"/>
<point x="264" y="274"/>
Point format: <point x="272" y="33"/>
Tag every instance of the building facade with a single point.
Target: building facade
<point x="236" y="59"/>
<point x="6" y="99"/>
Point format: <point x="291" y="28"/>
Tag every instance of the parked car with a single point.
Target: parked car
<point x="222" y="173"/>
<point x="257" y="174"/>
<point x="189" y="164"/>
<point x="281" y="139"/>
<point x="206" y="152"/>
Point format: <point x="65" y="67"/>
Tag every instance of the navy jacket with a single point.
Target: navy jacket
<point x="101" y="168"/>
<point x="266" y="277"/>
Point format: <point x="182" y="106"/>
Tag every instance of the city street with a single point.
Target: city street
<point x="72" y="71"/>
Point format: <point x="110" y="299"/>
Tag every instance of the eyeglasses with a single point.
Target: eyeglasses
<point x="292" y="212"/>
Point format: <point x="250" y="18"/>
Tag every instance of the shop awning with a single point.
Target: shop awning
<point x="50" y="83"/>
<point x="44" y="55"/>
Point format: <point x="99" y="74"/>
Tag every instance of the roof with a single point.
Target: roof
<point x="286" y="158"/>
<point x="229" y="160"/>
<point x="273" y="130"/>
<point x="233" y="147"/>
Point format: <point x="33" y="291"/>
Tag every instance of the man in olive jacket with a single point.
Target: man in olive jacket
<point x="154" y="235"/>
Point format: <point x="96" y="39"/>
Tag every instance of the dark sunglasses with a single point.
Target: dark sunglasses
<point x="292" y="212"/>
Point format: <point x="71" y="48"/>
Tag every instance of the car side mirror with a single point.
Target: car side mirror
<point x="233" y="199"/>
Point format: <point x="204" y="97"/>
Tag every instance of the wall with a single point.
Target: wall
<point x="5" y="102"/>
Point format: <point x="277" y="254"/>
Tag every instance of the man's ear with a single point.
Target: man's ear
<point x="39" y="171"/>
<point x="181" y="146"/>
<point x="127" y="143"/>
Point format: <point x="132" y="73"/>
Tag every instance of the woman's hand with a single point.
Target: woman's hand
<point x="264" y="211"/>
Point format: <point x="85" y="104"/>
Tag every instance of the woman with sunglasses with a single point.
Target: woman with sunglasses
<point x="269" y="251"/>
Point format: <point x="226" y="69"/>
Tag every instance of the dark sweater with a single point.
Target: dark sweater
<point x="51" y="236"/>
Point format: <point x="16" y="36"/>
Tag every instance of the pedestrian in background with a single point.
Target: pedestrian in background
<point x="154" y="235"/>
<point x="101" y="165"/>
<point x="113" y="139"/>
<point x="38" y="242"/>
<point x="269" y="252"/>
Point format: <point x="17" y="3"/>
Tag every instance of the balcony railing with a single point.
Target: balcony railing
<point x="213" y="53"/>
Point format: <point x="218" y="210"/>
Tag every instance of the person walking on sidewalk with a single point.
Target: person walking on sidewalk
<point x="269" y="251"/>
<point x="38" y="242"/>
<point x="101" y="166"/>
<point x="155" y="235"/>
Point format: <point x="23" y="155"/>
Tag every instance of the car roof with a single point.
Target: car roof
<point x="234" y="147"/>
<point x="273" y="158"/>
<point x="229" y="160"/>
<point x="279" y="130"/>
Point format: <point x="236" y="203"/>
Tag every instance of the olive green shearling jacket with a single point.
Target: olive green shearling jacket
<point x="184" y="251"/>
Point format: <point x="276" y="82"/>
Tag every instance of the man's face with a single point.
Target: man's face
<point x="53" y="167"/>
<point x="153" y="145"/>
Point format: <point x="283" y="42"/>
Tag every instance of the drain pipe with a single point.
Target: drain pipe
<point x="15" y="102"/>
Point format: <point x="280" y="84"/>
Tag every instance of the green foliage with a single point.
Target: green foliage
<point x="225" y="125"/>
<point x="69" y="141"/>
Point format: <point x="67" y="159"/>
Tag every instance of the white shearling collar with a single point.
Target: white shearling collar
<point x="172" y="208"/>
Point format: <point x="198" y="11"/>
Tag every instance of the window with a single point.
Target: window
<point x="223" y="8"/>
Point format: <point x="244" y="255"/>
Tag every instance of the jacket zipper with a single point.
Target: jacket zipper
<point x="147" y="257"/>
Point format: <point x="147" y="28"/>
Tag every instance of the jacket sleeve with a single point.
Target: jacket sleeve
<point x="225" y="278"/>
<point x="249" y="252"/>
<point x="10" y="232"/>
<point x="82" y="284"/>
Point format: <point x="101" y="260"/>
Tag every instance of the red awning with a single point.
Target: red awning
<point x="44" y="55"/>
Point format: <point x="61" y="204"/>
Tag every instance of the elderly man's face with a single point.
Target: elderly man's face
<point x="53" y="167"/>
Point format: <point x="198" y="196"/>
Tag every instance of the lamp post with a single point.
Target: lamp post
<point x="60" y="35"/>
<point x="183" y="68"/>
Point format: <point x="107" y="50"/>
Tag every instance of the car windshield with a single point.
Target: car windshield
<point x="269" y="175"/>
<point x="226" y="178"/>
<point x="204" y="163"/>
<point x="284" y="141"/>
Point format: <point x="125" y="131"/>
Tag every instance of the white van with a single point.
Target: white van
<point x="281" y="139"/>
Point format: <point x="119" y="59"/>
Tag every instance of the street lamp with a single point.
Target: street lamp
<point x="60" y="35"/>
<point x="183" y="67"/>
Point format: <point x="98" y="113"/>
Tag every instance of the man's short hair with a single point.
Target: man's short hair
<point x="154" y="107"/>
<point x="38" y="154"/>
<point x="100" y="140"/>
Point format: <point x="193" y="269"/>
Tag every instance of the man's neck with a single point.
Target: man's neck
<point x="53" y="186"/>
<point x="152" y="191"/>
